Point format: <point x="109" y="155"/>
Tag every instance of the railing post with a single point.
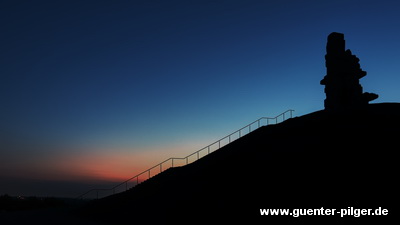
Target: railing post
<point x="149" y="174"/>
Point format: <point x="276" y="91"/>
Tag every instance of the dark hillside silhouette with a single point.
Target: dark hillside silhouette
<point x="345" y="156"/>
<point x="317" y="160"/>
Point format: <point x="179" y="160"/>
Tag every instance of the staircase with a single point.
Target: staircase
<point x="176" y="162"/>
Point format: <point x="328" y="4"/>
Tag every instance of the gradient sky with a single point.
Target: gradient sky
<point x="97" y="91"/>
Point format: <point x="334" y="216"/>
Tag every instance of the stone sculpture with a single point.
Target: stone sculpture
<point x="342" y="87"/>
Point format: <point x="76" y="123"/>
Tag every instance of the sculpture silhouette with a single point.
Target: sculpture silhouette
<point x="342" y="87"/>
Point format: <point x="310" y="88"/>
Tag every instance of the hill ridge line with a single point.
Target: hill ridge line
<point x="136" y="180"/>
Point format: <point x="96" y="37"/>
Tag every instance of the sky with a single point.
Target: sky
<point x="94" y="92"/>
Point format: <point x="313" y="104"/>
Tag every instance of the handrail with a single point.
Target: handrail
<point x="241" y="132"/>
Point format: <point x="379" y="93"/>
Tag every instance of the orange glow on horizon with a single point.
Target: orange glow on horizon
<point x="115" y="165"/>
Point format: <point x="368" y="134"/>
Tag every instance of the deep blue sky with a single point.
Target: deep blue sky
<point x="147" y="80"/>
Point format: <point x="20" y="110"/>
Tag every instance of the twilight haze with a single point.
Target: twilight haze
<point x="94" y="92"/>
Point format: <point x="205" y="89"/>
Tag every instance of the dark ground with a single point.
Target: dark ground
<point x="318" y="160"/>
<point x="46" y="216"/>
<point x="330" y="160"/>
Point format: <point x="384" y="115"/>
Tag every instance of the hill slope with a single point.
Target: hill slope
<point x="313" y="161"/>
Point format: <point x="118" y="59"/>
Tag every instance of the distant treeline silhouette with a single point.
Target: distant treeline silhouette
<point x="9" y="203"/>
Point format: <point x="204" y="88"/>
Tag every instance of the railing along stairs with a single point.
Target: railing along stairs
<point x="176" y="162"/>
